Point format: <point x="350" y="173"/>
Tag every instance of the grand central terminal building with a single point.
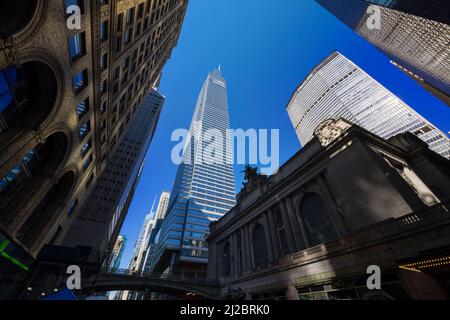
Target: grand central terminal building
<point x="346" y="201"/>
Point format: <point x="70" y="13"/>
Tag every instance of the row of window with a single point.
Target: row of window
<point x="319" y="228"/>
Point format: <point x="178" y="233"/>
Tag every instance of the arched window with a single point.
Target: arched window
<point x="318" y="224"/>
<point x="227" y="260"/>
<point x="27" y="95"/>
<point x="260" y="252"/>
<point x="15" y="15"/>
<point x="45" y="157"/>
<point x="33" y="231"/>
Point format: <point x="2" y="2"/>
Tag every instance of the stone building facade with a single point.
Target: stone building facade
<point x="66" y="98"/>
<point x="100" y="219"/>
<point x="344" y="202"/>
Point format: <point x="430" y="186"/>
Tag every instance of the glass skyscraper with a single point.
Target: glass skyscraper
<point x="203" y="191"/>
<point x="339" y="88"/>
<point x="413" y="33"/>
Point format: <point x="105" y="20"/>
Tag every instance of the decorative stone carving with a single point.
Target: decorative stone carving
<point x="253" y="180"/>
<point x="330" y="130"/>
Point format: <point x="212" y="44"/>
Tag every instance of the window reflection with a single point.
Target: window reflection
<point x="22" y="172"/>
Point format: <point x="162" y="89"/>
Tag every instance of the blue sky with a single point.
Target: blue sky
<point x="265" y="49"/>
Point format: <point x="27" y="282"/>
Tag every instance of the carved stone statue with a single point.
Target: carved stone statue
<point x="250" y="173"/>
<point x="330" y="130"/>
<point x="252" y="180"/>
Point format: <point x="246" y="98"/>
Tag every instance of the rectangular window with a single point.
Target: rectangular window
<point x="104" y="61"/>
<point x="91" y="178"/>
<point x="118" y="43"/>
<point x="138" y="29"/>
<point x="85" y="129"/>
<point x="127" y="63"/>
<point x="83" y="108"/>
<point x="103" y="87"/>
<point x="77" y="46"/>
<point x="86" y="147"/>
<point x="79" y="3"/>
<point x="103" y="107"/>
<point x="80" y="81"/>
<point x="117" y="73"/>
<point x="130" y="16"/>
<point x="125" y="77"/>
<point x="141" y="10"/>
<point x="127" y="36"/>
<point x="104" y="30"/>
<point x="87" y="162"/>
<point x="71" y="208"/>
<point x="119" y="22"/>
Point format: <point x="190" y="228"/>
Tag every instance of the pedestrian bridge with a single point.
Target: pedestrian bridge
<point x="124" y="279"/>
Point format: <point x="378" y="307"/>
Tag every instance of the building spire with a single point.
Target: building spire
<point x="218" y="70"/>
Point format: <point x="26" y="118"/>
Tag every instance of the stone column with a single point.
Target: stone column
<point x="300" y="236"/>
<point x="248" y="248"/>
<point x="219" y="254"/>
<point x="274" y="233"/>
<point x="212" y="261"/>
<point x="242" y="256"/>
<point x="290" y="232"/>
<point x="233" y="252"/>
<point x="292" y="292"/>
<point x="268" y="237"/>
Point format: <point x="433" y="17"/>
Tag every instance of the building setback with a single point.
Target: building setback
<point x="413" y="33"/>
<point x="203" y="191"/>
<point x="339" y="88"/>
<point x="347" y="200"/>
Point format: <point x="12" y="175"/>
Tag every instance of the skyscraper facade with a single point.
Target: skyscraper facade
<point x="413" y="33"/>
<point x="158" y="220"/>
<point x="203" y="191"/>
<point x="116" y="256"/>
<point x="66" y="96"/>
<point x="141" y="243"/>
<point x="339" y="88"/>
<point x="162" y="205"/>
<point x="99" y="220"/>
